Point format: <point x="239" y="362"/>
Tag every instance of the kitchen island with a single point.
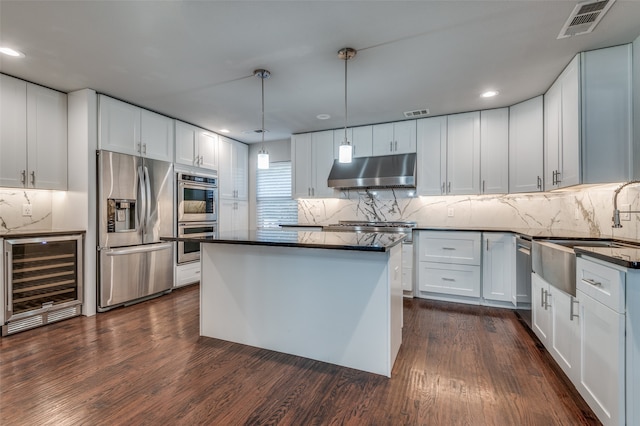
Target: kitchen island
<point x="330" y="296"/>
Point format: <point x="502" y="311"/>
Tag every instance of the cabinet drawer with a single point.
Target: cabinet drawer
<point x="603" y="283"/>
<point x="461" y="248"/>
<point x="460" y="280"/>
<point x="187" y="274"/>
<point x="407" y="255"/>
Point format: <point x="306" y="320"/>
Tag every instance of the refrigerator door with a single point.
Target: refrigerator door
<point x="131" y="273"/>
<point x="120" y="201"/>
<point x="159" y="183"/>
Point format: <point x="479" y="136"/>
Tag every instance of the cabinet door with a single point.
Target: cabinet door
<point x="432" y="155"/>
<point x="570" y="113"/>
<point x="119" y="126"/>
<point x="494" y="151"/>
<point x="565" y="335"/>
<point x="404" y="137"/>
<point x="322" y="161"/>
<point x="382" y="139"/>
<point x="157" y="136"/>
<point x="241" y="216"/>
<point x="301" y="167"/>
<point x="186" y="139"/>
<point x="526" y="139"/>
<point x="541" y="319"/>
<point x="463" y="153"/>
<point x="226" y="187"/>
<point x="241" y="170"/>
<point x="552" y="135"/>
<point x="362" y="141"/>
<point x="226" y="211"/>
<point x="407" y="267"/>
<point x="602" y="351"/>
<point x="208" y="150"/>
<point x="46" y="138"/>
<point x="498" y="272"/>
<point x="13" y="132"/>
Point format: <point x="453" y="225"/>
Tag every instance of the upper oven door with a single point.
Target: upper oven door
<point x="197" y="202"/>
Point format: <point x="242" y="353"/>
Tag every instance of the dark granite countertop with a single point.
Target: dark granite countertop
<point x="364" y="241"/>
<point x="40" y="233"/>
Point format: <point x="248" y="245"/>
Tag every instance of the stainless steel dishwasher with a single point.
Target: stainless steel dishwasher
<point x="523" y="278"/>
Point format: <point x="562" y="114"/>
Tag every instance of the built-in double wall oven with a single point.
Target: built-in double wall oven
<point x="197" y="212"/>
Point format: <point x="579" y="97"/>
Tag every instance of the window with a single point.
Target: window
<point x="274" y="205"/>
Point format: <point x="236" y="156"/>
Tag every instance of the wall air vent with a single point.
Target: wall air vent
<point x="416" y="113"/>
<point x="585" y="17"/>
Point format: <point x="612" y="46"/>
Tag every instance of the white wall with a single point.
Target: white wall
<point x="278" y="151"/>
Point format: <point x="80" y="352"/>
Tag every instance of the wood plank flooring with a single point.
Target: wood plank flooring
<point x="146" y="365"/>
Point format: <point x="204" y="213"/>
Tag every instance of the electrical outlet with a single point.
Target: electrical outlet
<point x="625" y="208"/>
<point x="450" y="212"/>
<point x="27" y="210"/>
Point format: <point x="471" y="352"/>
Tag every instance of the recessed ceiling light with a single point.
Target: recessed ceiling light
<point x="490" y="94"/>
<point x="225" y="131"/>
<point x="323" y="116"/>
<point x="11" y="52"/>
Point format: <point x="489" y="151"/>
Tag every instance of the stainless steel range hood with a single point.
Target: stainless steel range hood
<point x="386" y="171"/>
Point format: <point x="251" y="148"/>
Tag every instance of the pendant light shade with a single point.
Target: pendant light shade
<point x="263" y="155"/>
<point x="345" y="153"/>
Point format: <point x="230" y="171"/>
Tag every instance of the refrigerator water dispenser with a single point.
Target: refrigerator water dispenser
<point x="121" y="215"/>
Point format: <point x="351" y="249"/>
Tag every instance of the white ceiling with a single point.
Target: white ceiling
<point x="194" y="60"/>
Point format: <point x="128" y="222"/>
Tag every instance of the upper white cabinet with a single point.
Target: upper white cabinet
<point x="33" y="136"/>
<point x="588" y="120"/>
<point x="432" y="155"/>
<point x="233" y="169"/>
<point x="498" y="267"/>
<point x="526" y="139"/>
<point x="494" y="151"/>
<point x="129" y="129"/>
<point x="394" y="138"/>
<point x="312" y="155"/>
<point x="196" y="147"/>
<point x="361" y="139"/>
<point x="463" y="154"/>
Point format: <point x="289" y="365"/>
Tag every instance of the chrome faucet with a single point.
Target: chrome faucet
<point x="616" y="212"/>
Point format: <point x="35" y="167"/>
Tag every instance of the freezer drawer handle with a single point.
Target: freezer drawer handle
<point x="141" y="249"/>
<point x="592" y="282"/>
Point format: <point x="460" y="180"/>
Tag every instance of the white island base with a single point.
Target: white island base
<point x="338" y="306"/>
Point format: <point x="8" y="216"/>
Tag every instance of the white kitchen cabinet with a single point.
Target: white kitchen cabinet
<point x="196" y="147"/>
<point x="233" y="216"/>
<point x="233" y="168"/>
<point x="312" y="155"/>
<point x="526" y="140"/>
<point x="540" y="314"/>
<point x="407" y="268"/>
<point x="494" y="151"/>
<point x="601" y="381"/>
<point x="33" y="136"/>
<point x="498" y="267"/>
<point x="394" y="138"/>
<point x="361" y="139"/>
<point x="564" y="344"/>
<point x="186" y="274"/>
<point x="588" y="121"/>
<point x="463" y="154"/>
<point x="449" y="265"/>
<point x="132" y="130"/>
<point x="432" y="155"/>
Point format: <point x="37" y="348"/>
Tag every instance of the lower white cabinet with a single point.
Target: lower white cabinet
<point x="540" y="314"/>
<point x="498" y="266"/>
<point x="407" y="267"/>
<point x="188" y="273"/>
<point x="450" y="279"/>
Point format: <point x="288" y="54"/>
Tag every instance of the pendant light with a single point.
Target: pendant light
<point x="263" y="155"/>
<point x="345" y="153"/>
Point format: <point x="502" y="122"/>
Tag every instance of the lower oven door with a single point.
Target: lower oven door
<point x="190" y="251"/>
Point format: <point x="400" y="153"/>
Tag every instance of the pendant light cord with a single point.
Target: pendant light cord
<point x="346" y="59"/>
<point x="262" y="129"/>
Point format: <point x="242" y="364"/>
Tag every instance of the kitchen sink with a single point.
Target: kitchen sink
<point x="555" y="260"/>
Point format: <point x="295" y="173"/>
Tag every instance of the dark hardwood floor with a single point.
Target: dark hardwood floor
<point x="146" y="364"/>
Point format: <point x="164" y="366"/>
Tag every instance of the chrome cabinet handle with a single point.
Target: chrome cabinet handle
<point x="390" y="146"/>
<point x="542" y="297"/>
<point x="487" y="244"/>
<point x="539" y="183"/>
<point x="33" y="178"/>
<point x="449" y="187"/>
<point x="571" y="314"/>
<point x="396" y="145"/>
<point x="448" y="279"/>
<point x="546" y="300"/>
<point x="201" y="159"/>
<point x="448" y="248"/>
<point x="144" y="148"/>
<point x="592" y="282"/>
<point x="558" y="180"/>
<point x="313" y="192"/>
<point x="483" y="186"/>
<point x="442" y="188"/>
<point x="23" y="178"/>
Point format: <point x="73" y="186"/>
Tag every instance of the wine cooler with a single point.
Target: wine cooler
<point x="43" y="281"/>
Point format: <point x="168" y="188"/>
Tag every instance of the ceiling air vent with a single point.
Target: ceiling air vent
<point x="585" y="17"/>
<point x="416" y="113"/>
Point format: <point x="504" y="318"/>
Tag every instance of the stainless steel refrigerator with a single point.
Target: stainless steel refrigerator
<point x="135" y="208"/>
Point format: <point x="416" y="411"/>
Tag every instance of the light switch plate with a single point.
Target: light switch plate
<point x="27" y="210"/>
<point x="450" y="212"/>
<point x="625" y="208"/>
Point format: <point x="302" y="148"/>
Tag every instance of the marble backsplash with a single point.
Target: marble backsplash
<point x="583" y="209"/>
<point x="11" y="202"/>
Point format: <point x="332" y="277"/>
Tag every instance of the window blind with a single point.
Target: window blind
<point x="274" y="205"/>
